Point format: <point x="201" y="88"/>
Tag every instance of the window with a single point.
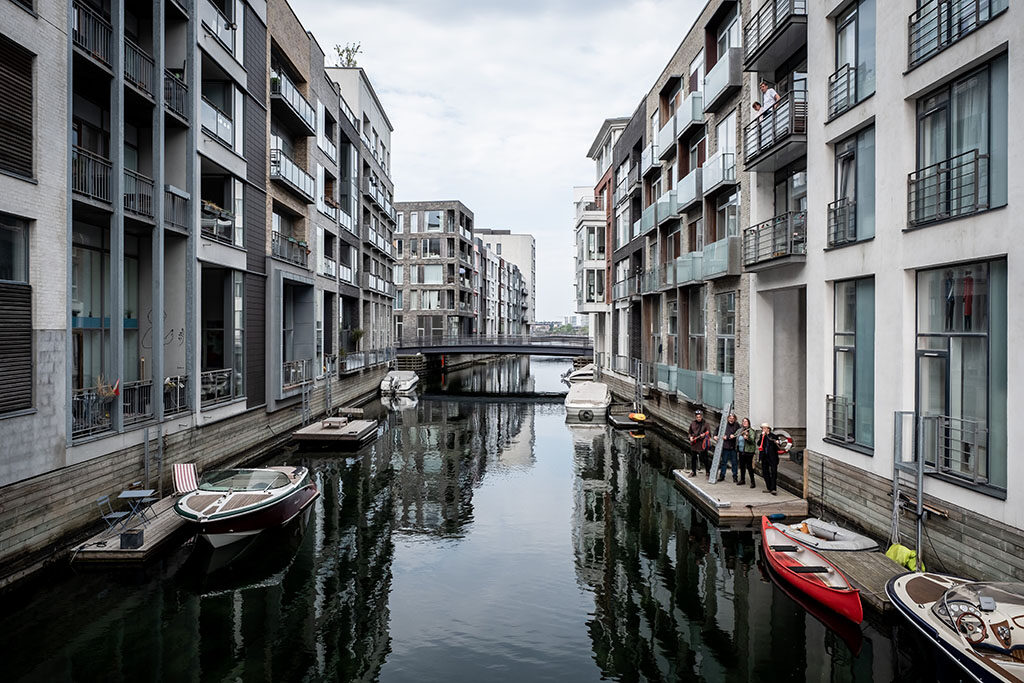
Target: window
<point x="16" y="115"/>
<point x="414" y="221"/>
<point x="499" y="248"/>
<point x="399" y="274"/>
<point x="725" y="134"/>
<point x="432" y="248"/>
<point x="434" y="221"/>
<point x="725" y="307"/>
<point x="695" y="357"/>
<point x="726" y="223"/>
<point x="398" y="322"/>
<point x="850" y="410"/>
<point x="729" y="33"/>
<point x="961" y="370"/>
<point x="401" y="222"/>
<point x="15" y="316"/>
<point x="854" y="78"/>
<point x="852" y="216"/>
<point x="432" y="275"/>
<point x="697" y="73"/>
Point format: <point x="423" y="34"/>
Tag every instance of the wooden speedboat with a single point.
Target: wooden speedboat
<point x="980" y="626"/>
<point x="400" y="382"/>
<point x="810" y="573"/>
<point x="231" y="505"/>
<point x="822" y="535"/>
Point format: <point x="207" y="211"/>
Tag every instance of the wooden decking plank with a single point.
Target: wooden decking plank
<point x="106" y="545"/>
<point x="728" y="502"/>
<point x="868" y="571"/>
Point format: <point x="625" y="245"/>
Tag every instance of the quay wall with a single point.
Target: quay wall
<point x="42" y="516"/>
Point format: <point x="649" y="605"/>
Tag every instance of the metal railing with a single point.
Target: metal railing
<point x="90" y="174"/>
<point x="138" y="193"/>
<point x="762" y="27"/>
<point x="91" y="32"/>
<point x="92" y="411"/>
<point x="175" y="210"/>
<point x="839" y="419"/>
<point x="328" y="146"/>
<point x="778" y="237"/>
<point x="219" y="25"/>
<point x="296" y="372"/>
<point x="217" y="223"/>
<point x="282" y="168"/>
<point x="842" y="222"/>
<point x="345" y="274"/>
<point x="621" y="364"/>
<point x="176" y="94"/>
<point x="289" y="249"/>
<point x="347" y="111"/>
<point x="775" y="125"/>
<point x="328" y="207"/>
<point x="330" y="268"/>
<point x="216" y="122"/>
<point x="956" y="447"/>
<point x="561" y="340"/>
<point x="216" y="386"/>
<point x="842" y="90"/>
<point x="940" y="23"/>
<point x="176" y="394"/>
<point x="357" y="360"/>
<point x="138" y="67"/>
<point x="720" y="168"/>
<point x="136" y="401"/>
<point x="282" y="87"/>
<point x="955" y="187"/>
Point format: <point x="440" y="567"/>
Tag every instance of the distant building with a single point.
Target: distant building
<point x="521" y="250"/>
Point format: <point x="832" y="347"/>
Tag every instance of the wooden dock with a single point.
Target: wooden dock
<point x="106" y="546"/>
<point x="729" y="503"/>
<point x="338" y="431"/>
<point x="868" y="571"/>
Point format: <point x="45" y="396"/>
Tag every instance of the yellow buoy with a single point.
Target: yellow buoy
<point x="638" y="417"/>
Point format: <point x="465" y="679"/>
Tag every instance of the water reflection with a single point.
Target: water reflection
<point x="529" y="375"/>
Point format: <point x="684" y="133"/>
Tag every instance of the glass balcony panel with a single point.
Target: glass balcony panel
<point x="282" y="168"/>
<point x="717" y="390"/>
<point x="222" y="28"/>
<point x="216" y="122"/>
<point x="691" y="114"/>
<point x="667" y="139"/>
<point x="689" y="190"/>
<point x="648" y="218"/>
<point x="282" y="87"/>
<point x="723" y="78"/>
<point x="721" y="258"/>
<point x="719" y="169"/>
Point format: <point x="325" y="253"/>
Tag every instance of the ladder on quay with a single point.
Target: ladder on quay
<point x="307" y="398"/>
<point x="716" y="461"/>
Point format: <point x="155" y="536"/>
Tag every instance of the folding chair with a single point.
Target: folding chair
<point x="185" y="479"/>
<point x="113" y="519"/>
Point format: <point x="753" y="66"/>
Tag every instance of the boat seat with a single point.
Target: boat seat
<point x="786" y="548"/>
<point x="800" y="569"/>
<point x="334" y="422"/>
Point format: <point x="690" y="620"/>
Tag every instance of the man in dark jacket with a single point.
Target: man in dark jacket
<point x="768" y="453"/>
<point x="700" y="438"/>
<point x="732" y="426"/>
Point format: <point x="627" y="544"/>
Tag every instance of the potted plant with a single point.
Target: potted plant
<point x="356" y="336"/>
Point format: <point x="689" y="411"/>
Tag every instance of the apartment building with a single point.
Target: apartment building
<point x="434" y="288"/>
<point x="521" y="250"/>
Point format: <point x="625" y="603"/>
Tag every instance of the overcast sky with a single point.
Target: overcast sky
<point x="496" y="103"/>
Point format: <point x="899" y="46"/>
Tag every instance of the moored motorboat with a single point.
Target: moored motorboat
<point x="587" y="402"/>
<point x="822" y="535"/>
<point x="584" y="374"/>
<point x="807" y="571"/>
<point x="400" y="382"/>
<point x="978" y="625"/>
<point x="231" y="505"/>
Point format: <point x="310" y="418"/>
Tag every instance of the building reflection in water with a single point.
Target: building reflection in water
<point x="677" y="598"/>
<point x="509" y="375"/>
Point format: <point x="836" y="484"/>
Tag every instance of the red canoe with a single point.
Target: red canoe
<point x="810" y="573"/>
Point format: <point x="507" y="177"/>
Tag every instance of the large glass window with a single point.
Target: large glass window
<point x="13" y="249"/>
<point x="434" y="221"/>
<point x="851" y="407"/>
<point x="852" y="215"/>
<point x="855" y="52"/>
<point x="695" y="357"/>
<point x="961" y="370"/>
<point x="432" y="248"/>
<point x="725" y="310"/>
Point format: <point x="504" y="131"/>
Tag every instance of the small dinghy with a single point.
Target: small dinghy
<point x="399" y="382"/>
<point x="584" y="374"/>
<point x="822" y="535"/>
<point x="980" y="626"/>
<point x="587" y="402"/>
<point x="810" y="573"/>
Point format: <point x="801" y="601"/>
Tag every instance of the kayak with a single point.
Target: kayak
<point x="810" y="573"/>
<point x="822" y="535"/>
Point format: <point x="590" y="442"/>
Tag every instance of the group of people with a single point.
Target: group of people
<point x="741" y="444"/>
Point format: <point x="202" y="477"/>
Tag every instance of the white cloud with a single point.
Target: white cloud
<point x="497" y="105"/>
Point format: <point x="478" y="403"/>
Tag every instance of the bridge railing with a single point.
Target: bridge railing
<point x="575" y="341"/>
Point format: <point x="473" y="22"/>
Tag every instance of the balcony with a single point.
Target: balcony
<point x="667" y="207"/>
<point x="176" y="95"/>
<point x="378" y="284"/>
<point x="345" y="274"/>
<point x="722" y="258"/>
<point x="774" y="34"/>
<point x="633" y="178"/>
<point x="216" y="386"/>
<point x="708" y="388"/>
<point x="689" y="269"/>
<point x="288" y="173"/>
<point x="289" y="104"/>
<point x="289" y="249"/>
<point x="842" y="90"/>
<point x="176" y="394"/>
<point x="725" y="78"/>
<point x="91" y="33"/>
<point x="718" y="171"/>
<point x="648" y="219"/>
<point x="591" y="206"/>
<point x="216" y="122"/>
<point x="667" y="139"/>
<point x="839" y="419"/>
<point x="688" y="190"/>
<point x="717" y="391"/>
<point x="842" y="222"/>
<point x="136" y="402"/>
<point x="329" y="267"/>
<point x="328" y="207"/>
<point x="377" y="239"/>
<point x="217" y="223"/>
<point x="637" y="227"/>
<point x="219" y="26"/>
<point x="138" y="68"/>
<point x="372" y="191"/>
<point x="90" y="175"/>
<point x="295" y="373"/>
<point x="650" y="280"/>
<point x="779" y="241"/>
<point x="346" y="221"/>
<point x="937" y="24"/>
<point x="691" y="115"/>
<point x="778" y="136"/>
<point x="624" y="289"/>
<point x="138" y="194"/>
<point x="175" y="208"/>
<point x="92" y="411"/>
<point x="949" y="189"/>
<point x="621" y="192"/>
<point x="649" y="159"/>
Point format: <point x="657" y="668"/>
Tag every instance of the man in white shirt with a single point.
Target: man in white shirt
<point x="768" y="96"/>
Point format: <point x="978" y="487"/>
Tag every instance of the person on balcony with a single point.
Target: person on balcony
<point x="769" y="96"/>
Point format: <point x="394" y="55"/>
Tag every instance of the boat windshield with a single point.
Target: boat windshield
<point x="990" y="602"/>
<point x="243" y="480"/>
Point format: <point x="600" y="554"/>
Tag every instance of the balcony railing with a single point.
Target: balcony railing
<point x="136" y="401"/>
<point x="378" y="284"/>
<point x="296" y="372"/>
<point x="176" y="95"/>
<point x="176" y="394"/>
<point x="358" y="360"/>
<point x="689" y="269"/>
<point x="691" y="114"/>
<point x="138" y="194"/>
<point x="648" y="219"/>
<point x="329" y="208"/>
<point x="776" y="125"/>
<point x="624" y="288"/>
<point x="91" y="32"/>
<point x="216" y="122"/>
<point x="667" y="206"/>
<point x="620" y="192"/>
<point x="956" y="447"/>
<point x="649" y="158"/>
<point x="330" y="267"/>
<point x="346" y="221"/>
<point x="721" y="258"/>
<point x="709" y="388"/>
<point x="638" y="225"/>
<point x="940" y="23"/>
<point x="345" y="274"/>
<point x="842" y="222"/>
<point x="949" y="189"/>
<point x="217" y="223"/>
<point x="650" y="280"/>
<point x="725" y="77"/>
<point x="768" y="24"/>
<point x="589" y="205"/>
<point x="222" y="28"/>
<point x="216" y="386"/>
<point x="633" y="178"/>
<point x="92" y="411"/>
<point x="286" y="171"/>
<point x="717" y="390"/>
<point x="667" y="139"/>
<point x="281" y="87"/>
<point x="138" y="67"/>
<point x="839" y="419"/>
<point x="779" y="237"/>
<point x="288" y="248"/>
<point x="689" y="190"/>
<point x="175" y="209"/>
<point x="842" y="90"/>
<point x="90" y="175"/>
<point x="719" y="170"/>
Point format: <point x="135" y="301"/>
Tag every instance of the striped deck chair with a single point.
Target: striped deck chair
<point x="185" y="479"/>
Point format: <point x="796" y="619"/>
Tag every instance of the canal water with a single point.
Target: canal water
<point x="478" y="539"/>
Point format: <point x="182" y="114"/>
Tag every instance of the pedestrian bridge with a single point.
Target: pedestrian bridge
<point x="553" y="345"/>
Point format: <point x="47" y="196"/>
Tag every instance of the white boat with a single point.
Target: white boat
<point x="584" y="374"/>
<point x="398" y="403"/>
<point x="401" y="382"/>
<point x="822" y="535"/>
<point x="980" y="626"/>
<point x="587" y="402"/>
